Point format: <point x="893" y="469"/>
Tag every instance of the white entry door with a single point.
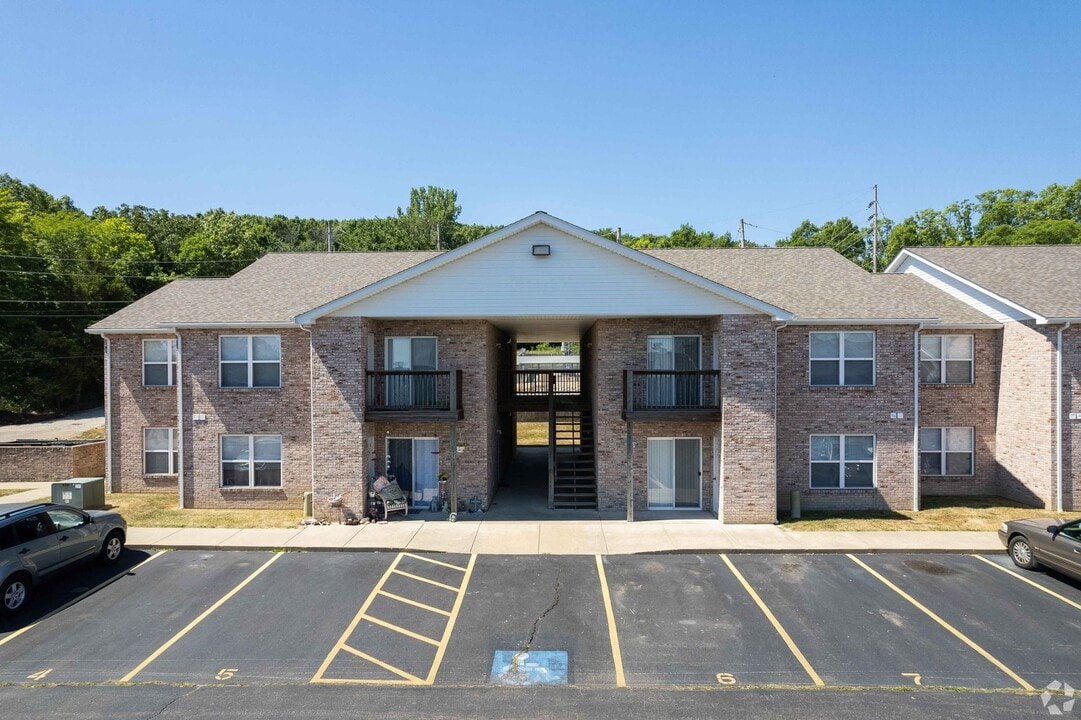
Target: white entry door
<point x="675" y="473"/>
<point x="414" y="462"/>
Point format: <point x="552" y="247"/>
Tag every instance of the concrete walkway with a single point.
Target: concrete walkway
<point x="489" y="535"/>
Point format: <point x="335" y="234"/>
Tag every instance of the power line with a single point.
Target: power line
<point x="130" y="262"/>
<point x="46" y="359"/>
<point x="68" y="302"/>
<point x="40" y="315"/>
<point x="99" y="275"/>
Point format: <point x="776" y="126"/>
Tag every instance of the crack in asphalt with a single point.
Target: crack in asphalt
<point x="168" y="704"/>
<point x="514" y="669"/>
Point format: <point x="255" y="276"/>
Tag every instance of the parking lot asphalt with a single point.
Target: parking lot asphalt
<point x="692" y="622"/>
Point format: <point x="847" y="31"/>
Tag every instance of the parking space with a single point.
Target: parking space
<point x="677" y="621"/>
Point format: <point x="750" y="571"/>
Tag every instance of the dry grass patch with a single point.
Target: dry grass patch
<point x="160" y="510"/>
<point x="9" y="491"/>
<point x="535" y="433"/>
<point x="940" y="513"/>
<point x="97" y="433"/>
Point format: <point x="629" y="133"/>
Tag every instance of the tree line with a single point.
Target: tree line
<point x="62" y="269"/>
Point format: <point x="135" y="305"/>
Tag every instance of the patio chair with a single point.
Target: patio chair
<point x="391" y="494"/>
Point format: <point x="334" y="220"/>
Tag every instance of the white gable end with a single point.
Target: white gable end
<point x="987" y="304"/>
<point x="578" y="278"/>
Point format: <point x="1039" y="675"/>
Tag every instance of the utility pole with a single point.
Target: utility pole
<point x="874" y="241"/>
<point x="742" y="235"/>
<point x="438" y="236"/>
<point x="619" y="235"/>
<point x="330" y="241"/>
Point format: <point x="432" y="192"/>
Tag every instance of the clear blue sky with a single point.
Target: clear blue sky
<point x="640" y="115"/>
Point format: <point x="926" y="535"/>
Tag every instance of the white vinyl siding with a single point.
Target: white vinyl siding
<point x="946" y="359"/>
<point x="159" y="451"/>
<point x="251" y="461"/>
<point x="842" y="462"/>
<point x="250" y="361"/>
<point x="842" y="358"/>
<point x="159" y="363"/>
<point x="947" y="451"/>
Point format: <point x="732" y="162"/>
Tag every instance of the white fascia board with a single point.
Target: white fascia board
<point x="124" y="331"/>
<point x="224" y="325"/>
<point x="1040" y="319"/>
<point x="1061" y="320"/>
<point x="898" y="261"/>
<point x="542" y="218"/>
<point x="863" y="321"/>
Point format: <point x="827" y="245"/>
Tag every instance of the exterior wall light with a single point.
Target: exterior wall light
<point x="542" y="250"/>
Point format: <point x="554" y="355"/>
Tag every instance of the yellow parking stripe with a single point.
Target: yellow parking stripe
<point x="414" y="603"/>
<point x="613" y="636"/>
<point x="773" y="621"/>
<point x="450" y="624"/>
<point x="954" y="631"/>
<point x="82" y="597"/>
<point x="400" y="629"/>
<point x="386" y="666"/>
<point x="1022" y="578"/>
<point x="426" y="580"/>
<point x="157" y="653"/>
<point x="434" y="562"/>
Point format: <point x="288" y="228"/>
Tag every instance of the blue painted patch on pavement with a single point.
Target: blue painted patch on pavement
<point x="537" y="667"/>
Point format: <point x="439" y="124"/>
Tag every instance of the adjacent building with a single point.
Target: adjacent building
<point x="713" y="379"/>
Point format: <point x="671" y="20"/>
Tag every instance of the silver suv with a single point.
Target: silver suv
<point x="39" y="539"/>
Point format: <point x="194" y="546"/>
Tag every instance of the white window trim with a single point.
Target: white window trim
<point x="842" y="460"/>
<point x="941" y="360"/>
<point x="172" y="449"/>
<point x="170" y="363"/>
<point x="701" y="489"/>
<point x="841" y="357"/>
<point x="386" y="348"/>
<point x="943" y="451"/>
<point x="251" y="463"/>
<point x="684" y="335"/>
<point x="249" y="362"/>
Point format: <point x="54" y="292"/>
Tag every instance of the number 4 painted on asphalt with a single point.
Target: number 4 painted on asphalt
<point x="915" y="677"/>
<point x="226" y="673"/>
<point x="39" y="675"/>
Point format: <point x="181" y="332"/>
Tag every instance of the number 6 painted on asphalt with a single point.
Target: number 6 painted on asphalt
<point x="915" y="677"/>
<point x="726" y="678"/>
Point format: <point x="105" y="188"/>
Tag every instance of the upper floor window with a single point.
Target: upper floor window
<point x="946" y="451"/>
<point x="946" y="359"/>
<point x="159" y="362"/>
<point x="250" y="361"/>
<point x="842" y="358"/>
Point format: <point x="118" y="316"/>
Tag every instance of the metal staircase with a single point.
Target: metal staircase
<point x="575" y="484"/>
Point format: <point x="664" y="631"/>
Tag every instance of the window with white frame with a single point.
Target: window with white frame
<point x="251" y="461"/>
<point x="842" y="358"/>
<point x="159" y="362"/>
<point x="947" y="451"/>
<point x="159" y="451"/>
<point x="250" y="361"/>
<point x="946" y="359"/>
<point x="842" y="461"/>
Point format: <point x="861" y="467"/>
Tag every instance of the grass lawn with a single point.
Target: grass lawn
<point x="939" y="513"/>
<point x="97" y="433"/>
<point x="160" y="510"/>
<point x="535" y="433"/>
<point x="9" y="491"/>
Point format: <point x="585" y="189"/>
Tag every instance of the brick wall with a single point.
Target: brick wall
<point x="804" y="410"/>
<point x="975" y="406"/>
<point x="51" y="463"/>
<point x="1025" y="433"/>
<point x="134" y="407"/>
<point x="272" y="411"/>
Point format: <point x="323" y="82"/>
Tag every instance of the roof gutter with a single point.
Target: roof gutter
<point x="124" y="331"/>
<point x="1058" y="418"/>
<point x="218" y="325"/>
<point x="865" y="321"/>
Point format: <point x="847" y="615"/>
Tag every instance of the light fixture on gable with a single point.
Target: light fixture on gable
<point x="542" y="250"/>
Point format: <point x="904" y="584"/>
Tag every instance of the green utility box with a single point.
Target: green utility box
<point x="83" y="493"/>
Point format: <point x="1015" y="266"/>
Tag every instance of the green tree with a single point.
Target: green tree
<point x="224" y="244"/>
<point x="431" y="210"/>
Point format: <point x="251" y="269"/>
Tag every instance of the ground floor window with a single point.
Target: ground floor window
<point x="251" y="460"/>
<point x="159" y="451"/>
<point x="414" y="463"/>
<point x="842" y="461"/>
<point x="946" y="451"/>
<point x="675" y="473"/>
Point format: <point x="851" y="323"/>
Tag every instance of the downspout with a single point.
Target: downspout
<point x="1058" y="418"/>
<point x="916" y="418"/>
<point x="180" y="419"/>
<point x="776" y="445"/>
<point x="311" y="404"/>
<point x="108" y="415"/>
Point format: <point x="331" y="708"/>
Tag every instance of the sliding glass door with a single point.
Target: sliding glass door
<point x="674" y="473"/>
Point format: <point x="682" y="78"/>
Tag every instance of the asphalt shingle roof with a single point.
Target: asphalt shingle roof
<point x="1043" y="278"/>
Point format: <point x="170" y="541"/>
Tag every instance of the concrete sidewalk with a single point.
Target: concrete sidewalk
<point x="545" y="537"/>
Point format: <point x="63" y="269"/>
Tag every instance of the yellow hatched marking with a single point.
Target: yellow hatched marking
<point x="773" y="621"/>
<point x="400" y="629"/>
<point x="613" y="636"/>
<point x="435" y="562"/>
<point x="173" y="640"/>
<point x="386" y="666"/>
<point x="414" y="603"/>
<point x="450" y="624"/>
<point x="426" y="580"/>
<point x="954" y="631"/>
<point x="1022" y="578"/>
<point x="82" y="597"/>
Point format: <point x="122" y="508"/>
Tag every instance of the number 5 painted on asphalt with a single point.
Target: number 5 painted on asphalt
<point x="915" y="677"/>
<point x="226" y="673"/>
<point x="726" y="678"/>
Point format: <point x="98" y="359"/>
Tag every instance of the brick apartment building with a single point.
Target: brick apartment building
<point x="713" y="379"/>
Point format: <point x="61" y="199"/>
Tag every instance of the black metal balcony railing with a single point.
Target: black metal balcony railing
<point x="414" y="390"/>
<point x="542" y="383"/>
<point x="672" y="391"/>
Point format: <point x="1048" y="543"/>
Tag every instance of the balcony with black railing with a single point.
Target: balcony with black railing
<point x="672" y="395"/>
<point x="414" y="395"/>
